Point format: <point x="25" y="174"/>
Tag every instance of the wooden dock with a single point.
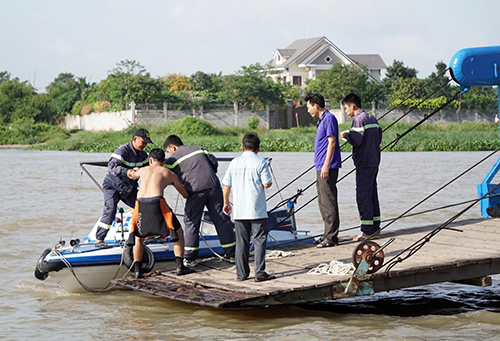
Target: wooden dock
<point x="467" y="252"/>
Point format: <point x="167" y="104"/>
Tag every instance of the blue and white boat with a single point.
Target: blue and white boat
<point x="83" y="265"/>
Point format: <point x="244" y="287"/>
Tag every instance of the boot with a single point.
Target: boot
<point x="181" y="269"/>
<point x="138" y="270"/>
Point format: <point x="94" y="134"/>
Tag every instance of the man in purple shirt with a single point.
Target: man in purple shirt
<point x="365" y="137"/>
<point x="327" y="162"/>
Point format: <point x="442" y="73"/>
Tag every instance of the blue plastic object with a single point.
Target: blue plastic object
<point x="478" y="66"/>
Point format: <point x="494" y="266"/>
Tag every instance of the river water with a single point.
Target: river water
<point x="45" y="196"/>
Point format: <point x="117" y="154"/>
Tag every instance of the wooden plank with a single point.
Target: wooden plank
<point x="448" y="256"/>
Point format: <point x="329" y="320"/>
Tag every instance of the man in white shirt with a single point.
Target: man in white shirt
<point x="247" y="177"/>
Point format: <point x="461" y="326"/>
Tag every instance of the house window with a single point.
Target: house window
<point x="328" y="59"/>
<point x="297" y="80"/>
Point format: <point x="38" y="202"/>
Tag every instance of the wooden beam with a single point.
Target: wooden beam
<point x="478" y="281"/>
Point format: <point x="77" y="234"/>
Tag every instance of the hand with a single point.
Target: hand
<point x="343" y="134"/>
<point x="227" y="209"/>
<point x="131" y="174"/>
<point x="325" y="172"/>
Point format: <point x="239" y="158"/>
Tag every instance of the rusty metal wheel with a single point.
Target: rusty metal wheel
<point x="368" y="250"/>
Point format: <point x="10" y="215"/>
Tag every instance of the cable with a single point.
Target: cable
<point x="76" y="206"/>
<point x="109" y="287"/>
<point x="412" y="249"/>
<point x="440" y="188"/>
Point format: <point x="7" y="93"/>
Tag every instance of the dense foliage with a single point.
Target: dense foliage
<point x="249" y="87"/>
<point x="428" y="137"/>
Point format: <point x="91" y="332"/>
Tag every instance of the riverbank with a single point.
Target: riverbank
<point x="427" y="137"/>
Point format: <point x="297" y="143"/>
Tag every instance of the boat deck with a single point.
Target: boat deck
<point x="467" y="252"/>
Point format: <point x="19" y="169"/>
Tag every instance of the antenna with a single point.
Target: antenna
<point x="34" y="79"/>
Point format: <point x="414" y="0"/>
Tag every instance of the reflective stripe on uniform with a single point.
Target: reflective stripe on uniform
<point x="368" y="126"/>
<point x="103" y="225"/>
<point x="190" y="248"/>
<point x="187" y="156"/>
<point x="376" y="218"/>
<point x="228" y="245"/>
<point x="130" y="164"/>
<point x="366" y="222"/>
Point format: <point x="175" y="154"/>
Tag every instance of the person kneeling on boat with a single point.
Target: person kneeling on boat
<point x="152" y="216"/>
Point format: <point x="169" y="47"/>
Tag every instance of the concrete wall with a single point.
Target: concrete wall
<point x="272" y="117"/>
<point x="120" y="120"/>
<point x="100" y="121"/>
<point x="448" y="115"/>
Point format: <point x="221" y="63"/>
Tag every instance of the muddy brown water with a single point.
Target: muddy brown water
<point x="45" y="196"/>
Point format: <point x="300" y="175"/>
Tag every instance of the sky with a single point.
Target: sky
<point x="41" y="39"/>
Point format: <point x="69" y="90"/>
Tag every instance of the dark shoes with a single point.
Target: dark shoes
<point x="102" y="245"/>
<point x="137" y="270"/>
<point x="182" y="270"/>
<point x="265" y="277"/>
<point x="327" y="243"/>
<point x="190" y="263"/>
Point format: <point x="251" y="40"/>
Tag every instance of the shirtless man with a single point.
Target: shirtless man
<point x="152" y="216"/>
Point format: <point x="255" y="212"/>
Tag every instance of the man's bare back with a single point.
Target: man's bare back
<point x="155" y="178"/>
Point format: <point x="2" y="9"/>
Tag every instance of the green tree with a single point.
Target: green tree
<point x="4" y="76"/>
<point x="128" y="82"/>
<point x="402" y="88"/>
<point x="19" y="101"/>
<point x="479" y="97"/>
<point x="398" y="70"/>
<point x="341" y="79"/>
<point x="435" y="82"/>
<point x="129" y="67"/>
<point x="65" y="91"/>
<point x="251" y="88"/>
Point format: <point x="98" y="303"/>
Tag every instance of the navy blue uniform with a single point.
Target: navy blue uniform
<point x="117" y="186"/>
<point x="196" y="169"/>
<point x="365" y="137"/>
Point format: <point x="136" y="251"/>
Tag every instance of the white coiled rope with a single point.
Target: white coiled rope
<point x="334" y="268"/>
<point x="278" y="254"/>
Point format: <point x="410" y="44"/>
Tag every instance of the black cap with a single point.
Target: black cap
<point x="144" y="134"/>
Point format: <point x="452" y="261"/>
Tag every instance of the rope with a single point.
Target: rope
<point x="76" y="206"/>
<point x="212" y="250"/>
<point x="412" y="249"/>
<point x="335" y="268"/>
<point x="110" y="285"/>
<point x="390" y="144"/>
<point x="384" y="115"/>
<point x="441" y="188"/>
<point x="278" y="254"/>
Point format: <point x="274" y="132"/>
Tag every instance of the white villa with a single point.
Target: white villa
<point x="307" y="58"/>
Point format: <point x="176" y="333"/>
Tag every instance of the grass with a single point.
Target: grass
<point x="439" y="136"/>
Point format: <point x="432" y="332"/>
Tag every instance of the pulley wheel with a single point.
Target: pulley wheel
<point x="367" y="250"/>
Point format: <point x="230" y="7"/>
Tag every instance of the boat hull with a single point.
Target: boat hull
<point x="87" y="266"/>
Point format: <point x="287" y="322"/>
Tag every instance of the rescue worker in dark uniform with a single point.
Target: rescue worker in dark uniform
<point x="365" y="137"/>
<point x="196" y="169"/>
<point x="119" y="183"/>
